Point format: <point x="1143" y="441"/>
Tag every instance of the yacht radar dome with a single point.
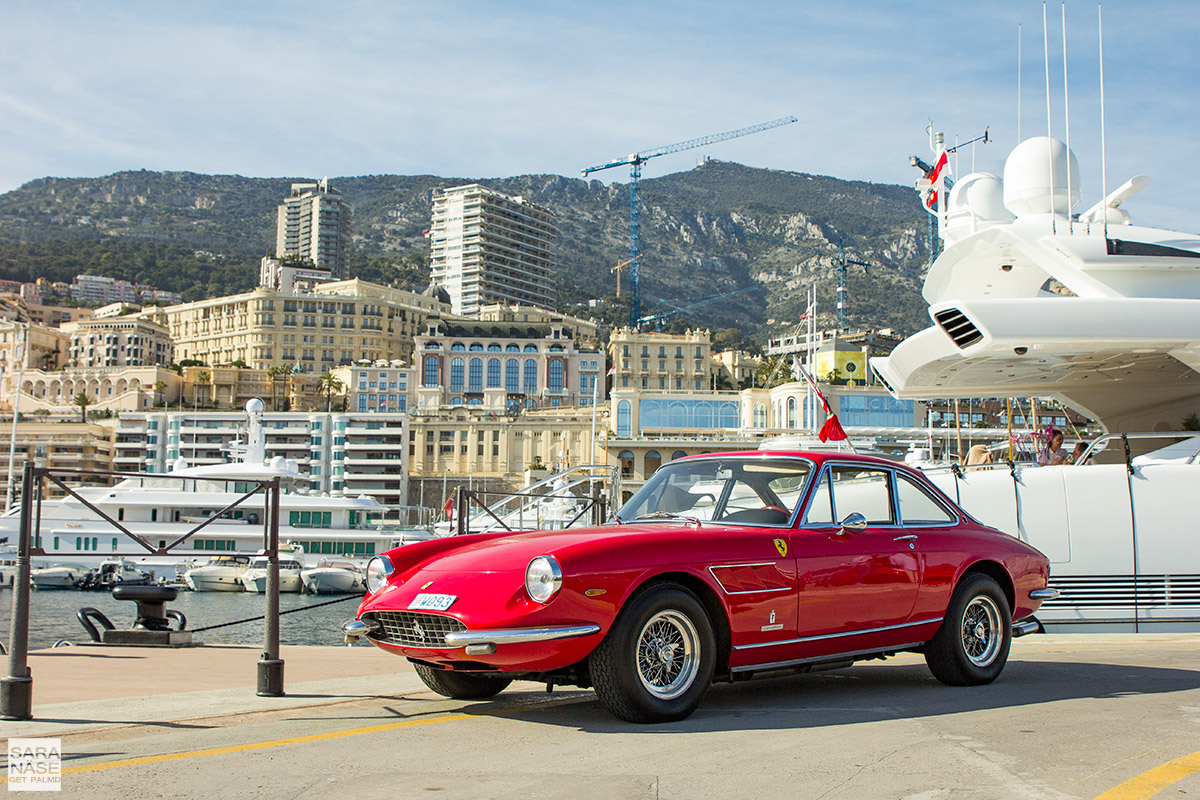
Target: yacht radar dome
<point x="977" y="200"/>
<point x="255" y="406"/>
<point x="1035" y="178"/>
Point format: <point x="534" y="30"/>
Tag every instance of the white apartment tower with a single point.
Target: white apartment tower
<point x="487" y="247"/>
<point x="314" y="224"/>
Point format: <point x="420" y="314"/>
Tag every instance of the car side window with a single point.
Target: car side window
<point x="917" y="507"/>
<point x="820" y="510"/>
<point x="864" y="491"/>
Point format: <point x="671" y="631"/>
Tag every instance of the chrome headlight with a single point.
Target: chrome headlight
<point x="379" y="569"/>
<point x="543" y="579"/>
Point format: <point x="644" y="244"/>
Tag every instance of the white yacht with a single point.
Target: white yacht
<point x="163" y="508"/>
<point x="334" y="576"/>
<point x="62" y="576"/>
<point x="1030" y="299"/>
<point x="221" y="574"/>
<point x="254" y="579"/>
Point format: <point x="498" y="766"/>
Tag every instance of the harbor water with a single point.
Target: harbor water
<point x="315" y="621"/>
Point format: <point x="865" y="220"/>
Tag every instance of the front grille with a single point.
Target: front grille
<point x="410" y="629"/>
<point x="956" y="325"/>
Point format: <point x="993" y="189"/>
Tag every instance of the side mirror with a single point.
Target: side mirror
<point x="853" y="522"/>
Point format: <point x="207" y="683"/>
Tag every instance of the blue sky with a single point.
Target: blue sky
<point x="488" y="89"/>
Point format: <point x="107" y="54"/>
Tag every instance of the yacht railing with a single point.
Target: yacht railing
<point x="579" y="496"/>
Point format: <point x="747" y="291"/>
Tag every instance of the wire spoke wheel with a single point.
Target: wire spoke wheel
<point x="658" y="659"/>
<point x="971" y="647"/>
<point x="981" y="636"/>
<point x="667" y="654"/>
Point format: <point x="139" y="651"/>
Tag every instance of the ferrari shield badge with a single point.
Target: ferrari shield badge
<point x="781" y="546"/>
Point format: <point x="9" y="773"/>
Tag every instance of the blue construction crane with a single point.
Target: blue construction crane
<point x="689" y="307"/>
<point x="635" y="161"/>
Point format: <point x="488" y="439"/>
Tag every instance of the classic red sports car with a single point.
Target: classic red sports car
<point x="721" y="567"/>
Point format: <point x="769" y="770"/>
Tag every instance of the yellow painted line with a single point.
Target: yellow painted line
<point x="316" y="737"/>
<point x="1153" y="781"/>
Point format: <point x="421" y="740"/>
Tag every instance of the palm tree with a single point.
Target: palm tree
<point x="276" y="373"/>
<point x="202" y="378"/>
<point x="158" y="391"/>
<point x="329" y="384"/>
<point x="83" y="401"/>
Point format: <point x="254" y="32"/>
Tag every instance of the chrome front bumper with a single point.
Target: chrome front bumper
<point x="485" y="641"/>
<point x="1044" y="594"/>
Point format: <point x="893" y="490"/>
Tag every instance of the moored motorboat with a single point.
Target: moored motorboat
<point x="221" y="574"/>
<point x="254" y="579"/>
<point x="334" y="577"/>
<point x="60" y="576"/>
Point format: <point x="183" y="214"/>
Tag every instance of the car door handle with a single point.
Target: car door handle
<point x="905" y="538"/>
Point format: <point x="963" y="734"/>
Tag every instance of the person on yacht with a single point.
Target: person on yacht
<point x="1054" y="453"/>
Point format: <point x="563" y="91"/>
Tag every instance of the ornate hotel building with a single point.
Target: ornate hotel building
<point x="342" y="322"/>
<point x="503" y="367"/>
<point x="488" y="247"/>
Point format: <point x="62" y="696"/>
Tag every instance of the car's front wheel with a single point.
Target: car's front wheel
<point x="971" y="647"/>
<point x="658" y="660"/>
<point x="461" y="685"/>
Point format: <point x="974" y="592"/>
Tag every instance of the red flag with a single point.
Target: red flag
<point x="937" y="180"/>
<point x="832" y="429"/>
<point x="448" y="509"/>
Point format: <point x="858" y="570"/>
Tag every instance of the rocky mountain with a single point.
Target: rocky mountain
<point x="706" y="232"/>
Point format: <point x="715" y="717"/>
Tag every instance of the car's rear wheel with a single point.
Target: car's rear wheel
<point x="657" y="661"/>
<point x="461" y="685"/>
<point x="971" y="647"/>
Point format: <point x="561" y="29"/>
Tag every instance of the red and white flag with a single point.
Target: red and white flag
<point x="448" y="509"/>
<point x="832" y="429"/>
<point x="937" y="180"/>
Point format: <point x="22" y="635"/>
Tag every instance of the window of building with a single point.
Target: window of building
<point x="431" y="372"/>
<point x="512" y="376"/>
<point x="531" y="376"/>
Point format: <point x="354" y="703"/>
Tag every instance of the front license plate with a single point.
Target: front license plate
<point x="432" y="602"/>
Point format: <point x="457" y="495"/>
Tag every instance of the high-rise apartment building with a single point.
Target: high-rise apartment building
<point x="487" y="247"/>
<point x="314" y="224"/>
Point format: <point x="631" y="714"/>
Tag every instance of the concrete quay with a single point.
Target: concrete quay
<point x="1112" y="717"/>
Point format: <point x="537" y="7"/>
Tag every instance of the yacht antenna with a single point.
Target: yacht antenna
<point x="1018" y="83"/>
<point x="1067" y="115"/>
<point x="1103" y="155"/>
<point x="1049" y="129"/>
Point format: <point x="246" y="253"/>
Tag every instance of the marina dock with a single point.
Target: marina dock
<point x="1073" y="716"/>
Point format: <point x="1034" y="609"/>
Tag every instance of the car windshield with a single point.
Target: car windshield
<point x="749" y="489"/>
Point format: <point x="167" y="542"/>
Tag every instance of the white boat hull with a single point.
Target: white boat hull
<point x="215" y="580"/>
<point x="255" y="581"/>
<point x="332" y="580"/>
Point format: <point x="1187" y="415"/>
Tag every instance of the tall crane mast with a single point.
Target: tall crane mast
<point x="842" y="303"/>
<point x="635" y="161"/>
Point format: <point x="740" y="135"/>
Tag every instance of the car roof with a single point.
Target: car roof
<point x="819" y="456"/>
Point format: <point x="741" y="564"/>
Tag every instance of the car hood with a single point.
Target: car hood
<point x="515" y="551"/>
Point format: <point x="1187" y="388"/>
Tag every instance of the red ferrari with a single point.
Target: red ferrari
<point x="722" y="567"/>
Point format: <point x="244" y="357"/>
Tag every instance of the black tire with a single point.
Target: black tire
<point x="657" y="662"/>
<point x="462" y="685"/>
<point x="971" y="647"/>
